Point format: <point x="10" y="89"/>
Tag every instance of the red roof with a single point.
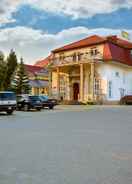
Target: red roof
<point x="43" y="62"/>
<point x="33" y="69"/>
<point x="115" y="49"/>
<point x="115" y="53"/>
<point x="95" y="40"/>
<point x="123" y="43"/>
<point x="92" y="40"/>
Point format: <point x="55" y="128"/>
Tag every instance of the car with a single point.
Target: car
<point x="126" y="100"/>
<point x="7" y="102"/>
<point x="28" y="102"/>
<point x="47" y="102"/>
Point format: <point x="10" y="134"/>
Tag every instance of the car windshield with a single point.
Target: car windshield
<point x="34" y="98"/>
<point x="7" y="96"/>
<point x="44" y="97"/>
<point x="21" y="98"/>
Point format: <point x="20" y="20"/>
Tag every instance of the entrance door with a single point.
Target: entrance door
<point x="75" y="91"/>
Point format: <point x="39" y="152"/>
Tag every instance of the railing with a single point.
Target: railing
<point x="87" y="57"/>
<point x="76" y="59"/>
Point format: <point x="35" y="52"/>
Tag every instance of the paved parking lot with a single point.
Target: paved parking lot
<point x="80" y="145"/>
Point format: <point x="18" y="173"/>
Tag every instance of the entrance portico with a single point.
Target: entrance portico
<point x="74" y="82"/>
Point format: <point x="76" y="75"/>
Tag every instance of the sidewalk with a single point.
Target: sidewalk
<point x="87" y="107"/>
<point x="74" y="107"/>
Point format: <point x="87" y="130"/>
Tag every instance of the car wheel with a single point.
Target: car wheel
<point x="18" y="108"/>
<point x="9" y="112"/>
<point x="25" y="108"/>
<point x="124" y="103"/>
<point x="38" y="109"/>
<point x="51" y="107"/>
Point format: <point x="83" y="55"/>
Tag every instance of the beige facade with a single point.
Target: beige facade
<point x="95" y="69"/>
<point x="74" y="75"/>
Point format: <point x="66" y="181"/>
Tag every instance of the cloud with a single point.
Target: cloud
<point x="7" y="7"/>
<point x="74" y="8"/>
<point x="35" y="44"/>
<point x="80" y="8"/>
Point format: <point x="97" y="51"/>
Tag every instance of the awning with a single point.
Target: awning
<point x="38" y="83"/>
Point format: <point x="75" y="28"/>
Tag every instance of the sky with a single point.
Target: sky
<point x="33" y="28"/>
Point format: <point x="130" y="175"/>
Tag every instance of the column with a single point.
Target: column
<point x="92" y="81"/>
<point x="50" y="83"/>
<point x="68" y="87"/>
<point x="81" y="82"/>
<point x="58" y="83"/>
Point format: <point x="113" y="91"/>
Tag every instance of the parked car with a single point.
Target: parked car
<point x="55" y="101"/>
<point x="7" y="102"/>
<point x="28" y="102"/>
<point x="47" y="102"/>
<point x="126" y="100"/>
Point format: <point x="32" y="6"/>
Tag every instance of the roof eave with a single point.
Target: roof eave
<point x="78" y="47"/>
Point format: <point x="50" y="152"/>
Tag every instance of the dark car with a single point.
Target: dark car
<point x="47" y="102"/>
<point x="27" y="102"/>
<point x="126" y="100"/>
<point x="7" y="102"/>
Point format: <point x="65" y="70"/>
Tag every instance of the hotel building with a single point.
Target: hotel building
<point x="95" y="69"/>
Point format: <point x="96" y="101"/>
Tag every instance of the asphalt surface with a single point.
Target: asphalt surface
<point x="67" y="146"/>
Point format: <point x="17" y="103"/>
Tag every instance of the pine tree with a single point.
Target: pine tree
<point x="2" y="71"/>
<point x="20" y="83"/>
<point x="10" y="69"/>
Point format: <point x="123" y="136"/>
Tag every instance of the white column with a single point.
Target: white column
<point x="92" y="81"/>
<point x="50" y="83"/>
<point x="58" y="83"/>
<point x="81" y="82"/>
<point x="68" y="87"/>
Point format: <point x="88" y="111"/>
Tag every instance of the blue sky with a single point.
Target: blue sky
<point x="34" y="28"/>
<point x="52" y="23"/>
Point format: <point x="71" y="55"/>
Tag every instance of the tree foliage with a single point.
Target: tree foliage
<point x="2" y="71"/>
<point x="20" y="83"/>
<point x="10" y="68"/>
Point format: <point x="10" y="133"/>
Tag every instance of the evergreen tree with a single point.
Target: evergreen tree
<point x="10" y="69"/>
<point x="20" y="83"/>
<point x="2" y="71"/>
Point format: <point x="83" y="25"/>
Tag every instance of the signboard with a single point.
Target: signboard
<point x="125" y="35"/>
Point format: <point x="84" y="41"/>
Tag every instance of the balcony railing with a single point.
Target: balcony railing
<point x="77" y="58"/>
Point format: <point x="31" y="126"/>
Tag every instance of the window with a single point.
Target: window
<point x="7" y="96"/>
<point x="122" y="92"/>
<point x="74" y="57"/>
<point x="97" y="87"/>
<point x="117" y="74"/>
<point x="62" y="86"/>
<point x="61" y="56"/>
<point x="110" y="89"/>
<point x="79" y="56"/>
<point x="93" y="51"/>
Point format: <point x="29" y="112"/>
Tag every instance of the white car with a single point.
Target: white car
<point x="7" y="102"/>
